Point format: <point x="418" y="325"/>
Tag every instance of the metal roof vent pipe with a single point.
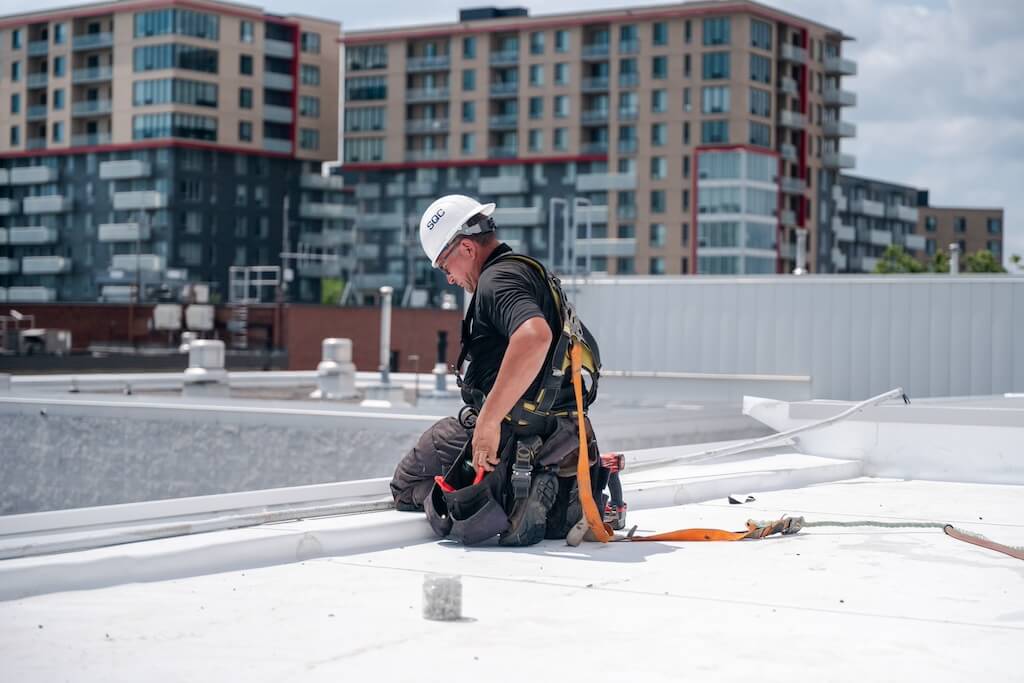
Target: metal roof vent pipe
<point x="954" y="258"/>
<point x="336" y="373"/>
<point x="801" y="252"/>
<point x="186" y="341"/>
<point x="385" y="394"/>
<point x="205" y="375"/>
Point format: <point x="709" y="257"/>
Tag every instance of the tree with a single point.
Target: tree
<point x="982" y="261"/>
<point x="330" y="290"/>
<point x="897" y="260"/>
<point x="939" y="263"/>
<point x="1015" y="260"/>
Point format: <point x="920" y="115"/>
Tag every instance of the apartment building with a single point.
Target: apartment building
<point x="974" y="229"/>
<point x="148" y="145"/>
<point x="691" y="138"/>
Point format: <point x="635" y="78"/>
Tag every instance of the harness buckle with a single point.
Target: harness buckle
<point x="522" y="469"/>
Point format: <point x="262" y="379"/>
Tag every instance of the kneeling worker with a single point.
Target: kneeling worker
<point x="524" y="441"/>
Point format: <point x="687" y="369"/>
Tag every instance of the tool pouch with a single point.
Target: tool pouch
<point x="472" y="513"/>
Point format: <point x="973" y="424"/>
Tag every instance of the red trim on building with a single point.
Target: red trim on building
<point x="296" y="52"/>
<point x="469" y="162"/>
<point x="459" y="29"/>
<point x="116" y="8"/>
<point x="154" y="144"/>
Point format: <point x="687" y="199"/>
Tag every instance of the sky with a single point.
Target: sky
<point x="940" y="89"/>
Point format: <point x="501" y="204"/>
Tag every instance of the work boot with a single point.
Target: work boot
<point x="566" y="511"/>
<point x="528" y="523"/>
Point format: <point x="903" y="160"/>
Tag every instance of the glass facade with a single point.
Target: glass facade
<point x="174" y="90"/>
<point x="174" y="56"/>
<point x="177" y="21"/>
<point x="174" y="125"/>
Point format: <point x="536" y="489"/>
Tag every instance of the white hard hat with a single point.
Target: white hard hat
<point x="448" y="218"/>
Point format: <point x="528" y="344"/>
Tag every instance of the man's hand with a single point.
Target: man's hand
<point x="486" y="440"/>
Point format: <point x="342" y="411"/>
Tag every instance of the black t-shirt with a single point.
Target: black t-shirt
<point x="508" y="294"/>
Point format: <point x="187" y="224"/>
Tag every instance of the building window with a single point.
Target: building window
<point x="536" y="74"/>
<point x="561" y="41"/>
<point x="659" y="67"/>
<point x="688" y="32"/>
<point x="959" y="224"/>
<point x="468" y="142"/>
<point x="561" y="74"/>
<point x="468" y="112"/>
<point x="366" y="88"/>
<point x="624" y="265"/>
<point x="686" y="66"/>
<point x="174" y="90"/>
<point x="715" y="100"/>
<point x="561" y="108"/>
<point x="364" y="118"/>
<point x="994" y="226"/>
<point x="15" y="71"/>
<point x="657" y="201"/>
<point x="245" y="65"/>
<point x="716" y="31"/>
<point x="686" y="166"/>
<point x="561" y="139"/>
<point x="659" y="33"/>
<point x="760" y="34"/>
<point x="362" y="57"/>
<point x="469" y="47"/>
<point x="60" y="34"/>
<point x="245" y="32"/>
<point x="659" y="168"/>
<point x="996" y="248"/>
<point x="658" y="235"/>
<point x="536" y="140"/>
<point x="760" y="102"/>
<point x="760" y="69"/>
<point x="58" y="131"/>
<point x="16" y="103"/>
<point x="182" y="22"/>
<point x="245" y="131"/>
<point x="58" y="99"/>
<point x="760" y="134"/>
<point x="310" y="74"/>
<point x="714" y="65"/>
<point x="175" y="56"/>
<point x="929" y="247"/>
<point x="469" y="80"/>
<point x="309" y="138"/>
<point x="657" y="265"/>
<point x="309" y="106"/>
<point x="15" y="136"/>
<point x="16" y="39"/>
<point x="59" y="65"/>
<point x="174" y="125"/>
<point x="659" y="101"/>
<point x="687" y="104"/>
<point x="930" y="224"/>
<point x="686" y="132"/>
<point x="245" y="98"/>
<point x="537" y="43"/>
<point x="713" y="132"/>
<point x="536" y="107"/>
<point x="310" y="43"/>
<point x="659" y="134"/>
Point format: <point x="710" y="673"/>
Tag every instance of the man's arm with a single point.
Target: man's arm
<point x="527" y="348"/>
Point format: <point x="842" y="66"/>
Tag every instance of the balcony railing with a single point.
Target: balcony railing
<point x="594" y="116"/>
<point x="426" y="154"/>
<point x="54" y="203"/>
<point x="122" y="169"/>
<point x="505" y="88"/>
<point x="93" y="41"/>
<point x="92" y="74"/>
<point x="90" y="107"/>
<point x="139" y="199"/>
<point x="45" y="265"/>
<point x="839" y="129"/>
<point x="279" y="48"/>
<point x="277" y="145"/>
<point x="627" y="146"/>
<point x="837" y="160"/>
<point x="37" y="79"/>
<point x="629" y="80"/>
<point x="435" y="63"/>
<point x="312" y="181"/>
<point x="35" y="143"/>
<point x="278" y="81"/>
<point x="595" y="83"/>
<point x="90" y="139"/>
<point x="426" y="125"/>
<point x="502" y="152"/>
<point x="792" y="119"/>
<point x="38" y="47"/>
<point x="899" y="212"/>
<point x="868" y="207"/>
<point x="840" y="66"/>
<point x="841" y="98"/>
<point x="792" y="53"/>
<point x="520" y="217"/>
<point x="627" y="114"/>
<point x="788" y="85"/>
<point x="426" y="94"/>
<point x="505" y="57"/>
<point x="277" y="114"/>
<point x="503" y="184"/>
<point x="605" y="182"/>
<point x="843" y="232"/>
<point x="881" y="238"/>
<point x="32" y="235"/>
<point x="596" y="147"/>
<point x="787" y="151"/>
<point x="123" y="232"/>
<point x="914" y="242"/>
<point x="595" y="51"/>
<point x="504" y="121"/>
<point x="36" y="112"/>
<point x="793" y="185"/>
<point x="628" y="47"/>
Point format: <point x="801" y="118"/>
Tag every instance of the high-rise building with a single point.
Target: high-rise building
<point x="869" y="216"/>
<point x="154" y="144"/>
<point x="700" y="137"/>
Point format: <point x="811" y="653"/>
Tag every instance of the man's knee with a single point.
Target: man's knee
<point x="432" y="455"/>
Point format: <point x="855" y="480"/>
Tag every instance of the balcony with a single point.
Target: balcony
<point x="8" y="207"/>
<point x="838" y="129"/>
<point x="435" y="63"/>
<point x="321" y="210"/>
<point x="914" y="242"/>
<point x="279" y="48"/>
<point x="54" y="203"/>
<point x="839" y="98"/>
<point x="595" y="51"/>
<point x="502" y="152"/>
<point x="32" y="235"/>
<point x="36" y="112"/>
<point x="596" y="214"/>
<point x="277" y="114"/>
<point x="627" y="146"/>
<point x="503" y="184"/>
<point x="34" y="175"/>
<point x="789" y="86"/>
<point x="627" y="115"/>
<point x="868" y="207"/>
<point x="90" y="139"/>
<point x="792" y="53"/>
<point x="787" y="217"/>
<point x="426" y="125"/>
<point x="426" y="154"/>
<point x="839" y="198"/>
<point x="314" y="181"/>
<point x="124" y="169"/>
<point x="902" y="213"/>
<point x="147" y="263"/>
<point x="31" y="294"/>
<point x="626" y="211"/>
<point x="629" y="47"/>
<point x="38" y="48"/>
<point x="792" y="119"/>
<point x="504" y="57"/>
<point x="868" y="263"/>
<point x="594" y="147"/>
<point x="519" y="217"/>
<point x="375" y="281"/>
<point x="370" y="252"/>
<point x="45" y="265"/>
<point x="90" y="107"/>
<point x="629" y="80"/>
<point x="426" y="94"/>
<point x="842" y="232"/>
<point x="838" y="259"/>
<point x="37" y="80"/>
<point x="837" y="160"/>
<point x="123" y="232"/>
<point x="276" y="81"/>
<point x="595" y="84"/>
<point x="94" y="74"/>
<point x="93" y="41"/>
<point x="277" y="145"/>
<point x="505" y="89"/>
<point x="605" y="182"/>
<point x="35" y="143"/>
<point x="788" y="152"/>
<point x="793" y="185"/>
<point x="367" y="191"/>
<point x="840" y="66"/>
<point x="140" y="200"/>
<point x="504" y="121"/>
<point x="381" y="221"/>
<point x="605" y="246"/>
<point x="8" y="266"/>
